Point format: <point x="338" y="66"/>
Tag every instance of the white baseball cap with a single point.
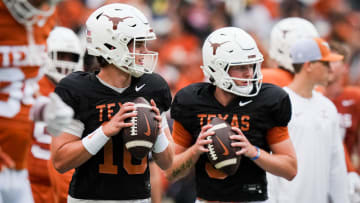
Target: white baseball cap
<point x="312" y="49"/>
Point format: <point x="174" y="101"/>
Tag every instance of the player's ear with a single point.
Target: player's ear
<point x="308" y="66"/>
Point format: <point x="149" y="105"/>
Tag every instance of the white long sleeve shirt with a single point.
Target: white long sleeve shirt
<point x="315" y="132"/>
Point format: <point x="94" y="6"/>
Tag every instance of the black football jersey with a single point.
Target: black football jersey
<point x="111" y="174"/>
<point x="195" y="105"/>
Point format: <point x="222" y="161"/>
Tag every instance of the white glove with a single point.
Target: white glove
<point x="354" y="187"/>
<point x="57" y="115"/>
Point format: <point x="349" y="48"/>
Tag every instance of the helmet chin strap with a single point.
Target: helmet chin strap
<point x="243" y="89"/>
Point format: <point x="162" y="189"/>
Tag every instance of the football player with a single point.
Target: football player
<point x="25" y="25"/>
<point x="118" y="35"/>
<point x="258" y="113"/>
<point x="347" y="101"/>
<point x="314" y="129"/>
<point x="66" y="56"/>
<point x="283" y="35"/>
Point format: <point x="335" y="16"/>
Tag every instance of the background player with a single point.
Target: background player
<point x="232" y="63"/>
<point x="285" y="33"/>
<point x="117" y="34"/>
<point x="66" y="56"/>
<point x="25" y="25"/>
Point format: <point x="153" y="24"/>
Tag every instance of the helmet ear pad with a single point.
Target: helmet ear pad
<point x="26" y="13"/>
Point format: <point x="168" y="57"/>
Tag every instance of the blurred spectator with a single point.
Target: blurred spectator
<point x="180" y="57"/>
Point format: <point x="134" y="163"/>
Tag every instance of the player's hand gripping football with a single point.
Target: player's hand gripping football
<point x="247" y="149"/>
<point x="201" y="141"/>
<point x="117" y="122"/>
<point x="56" y="114"/>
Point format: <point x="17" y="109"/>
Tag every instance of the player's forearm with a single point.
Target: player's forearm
<point x="165" y="159"/>
<point x="278" y="164"/>
<point x="68" y="155"/>
<point x="182" y="164"/>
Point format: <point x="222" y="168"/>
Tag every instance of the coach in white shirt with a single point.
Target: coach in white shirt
<point x="314" y="131"/>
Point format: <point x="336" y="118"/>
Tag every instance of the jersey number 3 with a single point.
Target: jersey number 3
<point x="109" y="168"/>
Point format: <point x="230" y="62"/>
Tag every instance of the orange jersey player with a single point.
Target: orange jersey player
<point x="348" y="105"/>
<point x="24" y="28"/>
<point x="66" y="56"/>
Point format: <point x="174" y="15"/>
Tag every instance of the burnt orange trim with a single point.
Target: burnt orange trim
<point x="277" y="134"/>
<point x="181" y="136"/>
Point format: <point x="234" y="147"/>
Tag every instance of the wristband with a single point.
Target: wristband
<point x="161" y="143"/>
<point x="257" y="155"/>
<point x="95" y="141"/>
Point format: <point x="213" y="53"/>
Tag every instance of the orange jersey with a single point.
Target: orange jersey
<point x="277" y="76"/>
<point x="21" y="66"/>
<point x="348" y="106"/>
<point x="40" y="154"/>
<point x="47" y="184"/>
<point x="59" y="183"/>
<point x="40" y="149"/>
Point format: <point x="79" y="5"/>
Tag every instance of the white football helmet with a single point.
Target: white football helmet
<point x="26" y="13"/>
<point x="109" y="31"/>
<point x="284" y="34"/>
<point x="231" y="46"/>
<point x="63" y="41"/>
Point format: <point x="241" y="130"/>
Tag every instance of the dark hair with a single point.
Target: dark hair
<point x="102" y="62"/>
<point x="91" y="63"/>
<point x="297" y="67"/>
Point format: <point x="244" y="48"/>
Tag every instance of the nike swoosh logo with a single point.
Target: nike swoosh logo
<point x="244" y="103"/>
<point x="139" y="88"/>
<point x="226" y="151"/>
<point x="148" y="132"/>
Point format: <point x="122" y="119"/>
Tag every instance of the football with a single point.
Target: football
<point x="141" y="136"/>
<point x="221" y="154"/>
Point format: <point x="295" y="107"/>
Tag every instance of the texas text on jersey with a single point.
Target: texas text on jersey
<point x="259" y="118"/>
<point x="109" y="171"/>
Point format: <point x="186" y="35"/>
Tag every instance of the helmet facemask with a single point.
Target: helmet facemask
<point x="65" y="53"/>
<point x="63" y="63"/>
<point x="141" y="60"/>
<point x="248" y="87"/>
<point x="26" y="13"/>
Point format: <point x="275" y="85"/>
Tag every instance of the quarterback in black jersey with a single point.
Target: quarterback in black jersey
<point x="259" y="113"/>
<point x="92" y="144"/>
